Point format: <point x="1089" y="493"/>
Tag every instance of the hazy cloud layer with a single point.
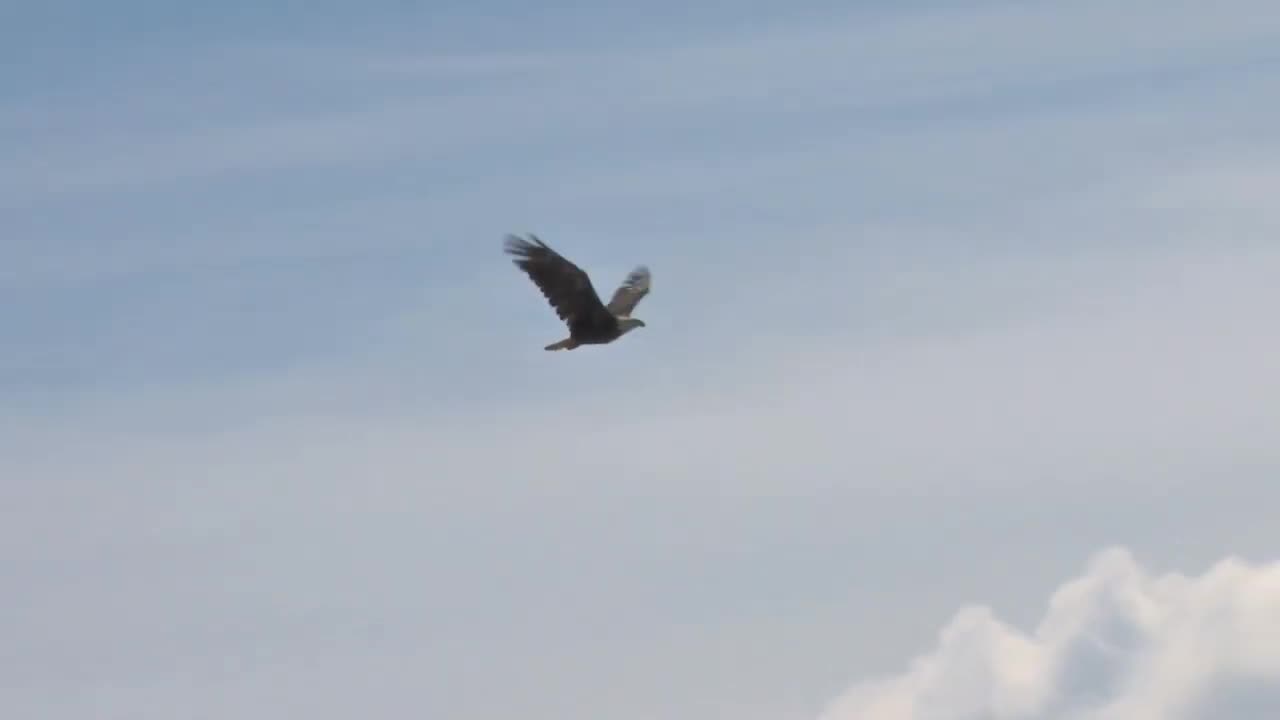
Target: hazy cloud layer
<point x="721" y="537"/>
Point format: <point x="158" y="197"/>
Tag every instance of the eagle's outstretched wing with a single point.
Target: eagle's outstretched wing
<point x="630" y="292"/>
<point x="566" y="286"/>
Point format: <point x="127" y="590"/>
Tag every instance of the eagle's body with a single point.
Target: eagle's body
<point x="568" y="289"/>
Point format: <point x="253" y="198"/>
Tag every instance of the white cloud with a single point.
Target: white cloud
<point x="1117" y="642"/>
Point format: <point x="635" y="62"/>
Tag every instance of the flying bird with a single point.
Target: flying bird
<point x="568" y="289"/>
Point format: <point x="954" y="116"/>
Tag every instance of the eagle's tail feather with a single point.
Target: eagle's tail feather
<point x="565" y="344"/>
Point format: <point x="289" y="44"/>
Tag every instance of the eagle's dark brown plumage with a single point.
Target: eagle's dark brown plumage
<point x="569" y="291"/>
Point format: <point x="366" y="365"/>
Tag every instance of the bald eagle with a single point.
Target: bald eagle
<point x="568" y="289"/>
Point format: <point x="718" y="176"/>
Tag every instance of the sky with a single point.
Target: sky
<point x="957" y="396"/>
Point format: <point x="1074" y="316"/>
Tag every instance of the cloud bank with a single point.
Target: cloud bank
<point x="1117" y="643"/>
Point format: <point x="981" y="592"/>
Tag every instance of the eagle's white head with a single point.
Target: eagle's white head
<point x="627" y="324"/>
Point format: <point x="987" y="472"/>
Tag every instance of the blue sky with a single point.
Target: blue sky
<point x="948" y="298"/>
